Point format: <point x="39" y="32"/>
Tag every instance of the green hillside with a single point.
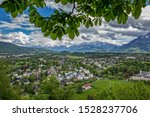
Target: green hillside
<point x="115" y="89"/>
<point x="8" y="48"/>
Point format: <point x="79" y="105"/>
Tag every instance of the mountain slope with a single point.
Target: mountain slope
<point x="141" y="44"/>
<point x="8" y="48"/>
<point x="138" y="45"/>
<point x="86" y="47"/>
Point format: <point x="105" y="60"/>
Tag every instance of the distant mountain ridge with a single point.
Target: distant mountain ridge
<point x="138" y="45"/>
<point x="85" y="47"/>
<point x="8" y="48"/>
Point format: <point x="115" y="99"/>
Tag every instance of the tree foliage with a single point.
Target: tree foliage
<point x="85" y="12"/>
<point x="6" y="90"/>
<point x="50" y="89"/>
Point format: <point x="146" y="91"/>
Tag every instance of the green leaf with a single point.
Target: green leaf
<point x="137" y="11"/>
<point x="96" y="21"/>
<point x="32" y="19"/>
<point x="14" y="14"/>
<point x="42" y="3"/>
<point x="21" y="11"/>
<point x="47" y="34"/>
<point x="54" y="36"/>
<point x="56" y="11"/>
<point x="71" y="35"/>
<point x="12" y="8"/>
<point x="45" y="27"/>
<point x="100" y="22"/>
<point x="128" y="9"/>
<point x="4" y="4"/>
<point x="60" y="34"/>
<point x="124" y="18"/>
<point x="64" y="2"/>
<point x="57" y="1"/>
<point x="77" y="33"/>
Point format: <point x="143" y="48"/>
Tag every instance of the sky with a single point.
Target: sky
<point x="20" y="32"/>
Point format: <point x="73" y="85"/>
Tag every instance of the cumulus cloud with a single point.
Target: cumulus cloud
<point x="1" y="1"/>
<point x="20" y="22"/>
<point x="18" y="38"/>
<point x="8" y="25"/>
<point x="53" y="5"/>
<point x="36" y="38"/>
<point x="116" y="33"/>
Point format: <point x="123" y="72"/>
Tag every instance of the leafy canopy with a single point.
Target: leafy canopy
<point x="85" y="12"/>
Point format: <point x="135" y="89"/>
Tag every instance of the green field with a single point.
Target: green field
<point x="115" y="89"/>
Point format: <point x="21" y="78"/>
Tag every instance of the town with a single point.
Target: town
<point x="76" y="70"/>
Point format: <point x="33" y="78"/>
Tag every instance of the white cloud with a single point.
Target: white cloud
<point x="8" y="25"/>
<point x="53" y="5"/>
<point x="18" y="38"/>
<point x="20" y="22"/>
<point x="1" y="1"/>
<point x="36" y="38"/>
<point x="119" y="34"/>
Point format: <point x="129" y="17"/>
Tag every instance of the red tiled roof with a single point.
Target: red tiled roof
<point x="87" y="85"/>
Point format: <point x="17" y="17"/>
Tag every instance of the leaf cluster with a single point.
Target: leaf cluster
<point x="85" y="12"/>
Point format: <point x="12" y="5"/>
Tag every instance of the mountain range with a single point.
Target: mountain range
<point x="8" y="48"/>
<point x="86" y="47"/>
<point x="138" y="45"/>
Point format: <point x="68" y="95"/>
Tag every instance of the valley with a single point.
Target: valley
<point x="74" y="76"/>
<point x="138" y="45"/>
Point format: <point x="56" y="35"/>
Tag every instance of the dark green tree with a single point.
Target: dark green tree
<point x="50" y="89"/>
<point x="91" y="97"/>
<point x="83" y="12"/>
<point x="79" y="89"/>
<point x="6" y="90"/>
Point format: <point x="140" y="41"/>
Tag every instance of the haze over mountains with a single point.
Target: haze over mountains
<point x="138" y="45"/>
<point x="86" y="47"/>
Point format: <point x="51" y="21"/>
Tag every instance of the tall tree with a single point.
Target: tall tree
<point x="6" y="90"/>
<point x="50" y="89"/>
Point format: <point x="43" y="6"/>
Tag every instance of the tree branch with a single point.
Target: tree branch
<point x="74" y="7"/>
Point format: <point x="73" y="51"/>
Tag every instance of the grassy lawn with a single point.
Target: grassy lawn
<point x="100" y="85"/>
<point x="75" y="57"/>
<point x="12" y="67"/>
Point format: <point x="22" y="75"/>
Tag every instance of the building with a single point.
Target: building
<point x="86" y="87"/>
<point x="141" y="76"/>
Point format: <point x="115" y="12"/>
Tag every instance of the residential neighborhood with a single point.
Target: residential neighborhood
<point x="75" y="72"/>
<point x="141" y="76"/>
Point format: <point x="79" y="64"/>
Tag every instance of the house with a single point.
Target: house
<point x="80" y="76"/>
<point x="86" y="87"/>
<point x="130" y="57"/>
<point x="141" y="76"/>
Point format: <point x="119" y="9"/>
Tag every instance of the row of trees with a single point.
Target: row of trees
<point x="125" y="69"/>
